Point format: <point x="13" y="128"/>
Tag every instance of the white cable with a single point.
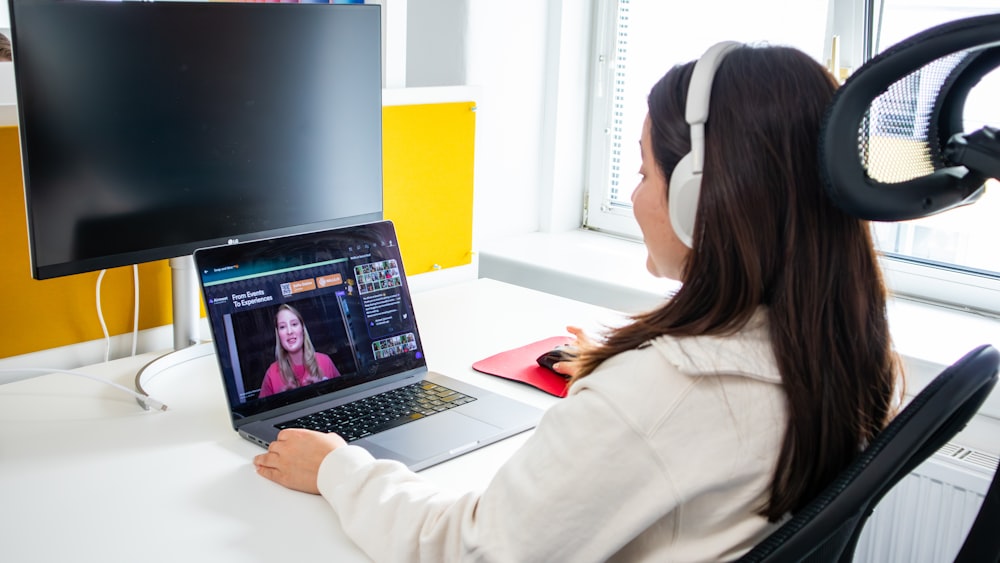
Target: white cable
<point x="135" y="308"/>
<point x="100" y="317"/>
<point x="145" y="401"/>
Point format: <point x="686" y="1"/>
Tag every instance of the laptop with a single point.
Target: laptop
<point x="317" y="330"/>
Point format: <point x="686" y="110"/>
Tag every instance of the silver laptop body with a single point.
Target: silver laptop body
<point x="347" y="288"/>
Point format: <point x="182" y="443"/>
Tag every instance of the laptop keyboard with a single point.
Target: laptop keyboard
<point x="377" y="413"/>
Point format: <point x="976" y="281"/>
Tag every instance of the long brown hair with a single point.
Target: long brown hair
<point x="766" y="234"/>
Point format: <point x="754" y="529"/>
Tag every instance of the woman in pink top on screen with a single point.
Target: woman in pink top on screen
<point x="296" y="361"/>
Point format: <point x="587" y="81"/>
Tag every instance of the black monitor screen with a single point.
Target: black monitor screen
<point x="150" y="129"/>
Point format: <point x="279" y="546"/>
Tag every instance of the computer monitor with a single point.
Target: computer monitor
<point x="151" y="129"/>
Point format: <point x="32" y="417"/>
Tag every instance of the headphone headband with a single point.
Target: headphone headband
<point x="685" y="182"/>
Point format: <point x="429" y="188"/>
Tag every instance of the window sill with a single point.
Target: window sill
<point x="609" y="271"/>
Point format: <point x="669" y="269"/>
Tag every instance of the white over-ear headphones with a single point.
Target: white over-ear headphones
<point x="685" y="181"/>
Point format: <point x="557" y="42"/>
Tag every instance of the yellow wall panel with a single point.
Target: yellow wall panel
<point x="428" y="173"/>
<point x="427" y="164"/>
<point x="40" y="314"/>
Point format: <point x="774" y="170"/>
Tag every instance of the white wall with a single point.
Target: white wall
<point x="435" y="42"/>
<point x="529" y="61"/>
<point x="506" y="57"/>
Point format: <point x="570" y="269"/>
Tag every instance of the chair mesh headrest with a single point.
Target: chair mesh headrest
<point x="884" y="137"/>
<point x="899" y="137"/>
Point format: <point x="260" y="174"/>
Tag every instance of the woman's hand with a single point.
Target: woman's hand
<point x="570" y="368"/>
<point x="293" y="458"/>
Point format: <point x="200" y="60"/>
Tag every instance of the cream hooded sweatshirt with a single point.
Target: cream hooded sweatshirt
<point x="664" y="453"/>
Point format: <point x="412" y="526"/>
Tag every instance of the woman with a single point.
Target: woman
<point x="691" y="431"/>
<point x="296" y="362"/>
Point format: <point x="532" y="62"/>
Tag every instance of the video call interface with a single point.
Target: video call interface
<point x="348" y="296"/>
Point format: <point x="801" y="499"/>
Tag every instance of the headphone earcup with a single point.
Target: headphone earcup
<point x="684" y="187"/>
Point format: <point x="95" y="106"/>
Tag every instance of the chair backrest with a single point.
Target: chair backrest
<point x="827" y="529"/>
<point x="982" y="544"/>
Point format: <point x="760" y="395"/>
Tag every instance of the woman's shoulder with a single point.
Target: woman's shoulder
<point x="326" y="365"/>
<point x="746" y="352"/>
<point x="669" y="364"/>
<point x="689" y="380"/>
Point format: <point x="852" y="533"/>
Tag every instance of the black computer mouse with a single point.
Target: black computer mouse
<point x="560" y="353"/>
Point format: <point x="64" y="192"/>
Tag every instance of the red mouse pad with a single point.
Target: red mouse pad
<point x="520" y="364"/>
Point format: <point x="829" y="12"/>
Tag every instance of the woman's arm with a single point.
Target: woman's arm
<point x="583" y="485"/>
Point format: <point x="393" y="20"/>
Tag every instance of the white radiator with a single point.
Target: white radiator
<point x="926" y="516"/>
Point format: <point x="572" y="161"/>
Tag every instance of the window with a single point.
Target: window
<point x="947" y="258"/>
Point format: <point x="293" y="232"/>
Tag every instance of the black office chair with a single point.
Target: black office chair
<point x="827" y="529"/>
<point x="982" y="544"/>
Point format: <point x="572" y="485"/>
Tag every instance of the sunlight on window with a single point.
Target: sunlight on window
<point x="964" y="236"/>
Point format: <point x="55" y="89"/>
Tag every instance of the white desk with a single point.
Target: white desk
<point x="87" y="475"/>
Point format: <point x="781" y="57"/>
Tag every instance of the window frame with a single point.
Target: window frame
<point x="853" y="21"/>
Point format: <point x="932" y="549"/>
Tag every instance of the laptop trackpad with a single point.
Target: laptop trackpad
<point x="440" y="433"/>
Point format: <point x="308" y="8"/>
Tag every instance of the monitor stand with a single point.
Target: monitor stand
<point x="187" y="316"/>
<point x="186" y="302"/>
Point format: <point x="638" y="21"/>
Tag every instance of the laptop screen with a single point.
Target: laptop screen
<point x="304" y="316"/>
